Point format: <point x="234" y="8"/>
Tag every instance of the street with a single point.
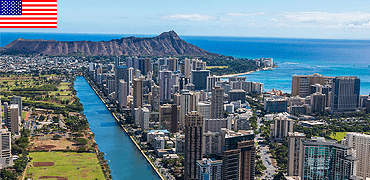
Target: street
<point x="265" y="156"/>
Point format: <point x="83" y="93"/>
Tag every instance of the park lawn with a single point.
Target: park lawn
<point x="66" y="164"/>
<point x="24" y="114"/>
<point x="338" y="135"/>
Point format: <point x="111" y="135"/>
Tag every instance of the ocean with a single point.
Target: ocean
<point x="293" y="56"/>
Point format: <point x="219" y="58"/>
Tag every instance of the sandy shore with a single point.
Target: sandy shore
<point x="231" y="75"/>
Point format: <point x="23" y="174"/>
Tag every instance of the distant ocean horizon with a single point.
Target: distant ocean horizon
<point x="329" y="57"/>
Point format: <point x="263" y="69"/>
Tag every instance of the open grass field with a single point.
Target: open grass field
<point x="62" y="95"/>
<point x="338" y="135"/>
<point x="66" y="165"/>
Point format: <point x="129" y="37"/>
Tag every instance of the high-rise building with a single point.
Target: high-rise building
<point x="144" y="119"/>
<point x="187" y="68"/>
<point x="345" y="94"/>
<point x="209" y="169"/>
<point x="6" y="158"/>
<point x="282" y="126"/>
<point x="202" y="96"/>
<point x="168" y="117"/>
<point x="7" y="119"/>
<point x="17" y="100"/>
<point x="173" y="64"/>
<point x="368" y="105"/>
<point x="204" y="108"/>
<point x="239" y="155"/>
<point x="199" y="79"/>
<point x="217" y="102"/>
<point x="275" y="105"/>
<point x="360" y="143"/>
<point x="155" y="97"/>
<point x="325" y="159"/>
<point x="193" y="143"/>
<point x="236" y="95"/>
<point x="187" y="104"/>
<point x="301" y="84"/>
<point x="211" y="82"/>
<point x="122" y="93"/>
<point x="165" y="82"/>
<point x="215" y="125"/>
<point x="318" y="102"/>
<point x="121" y="72"/>
<point x="15" y="119"/>
<point x="111" y="84"/>
<point x="145" y="65"/>
<point x="294" y="143"/>
<point x="257" y="87"/>
<point x="212" y="143"/>
<point x="138" y="93"/>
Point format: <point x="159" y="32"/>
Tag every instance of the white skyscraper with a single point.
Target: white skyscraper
<point x="361" y="144"/>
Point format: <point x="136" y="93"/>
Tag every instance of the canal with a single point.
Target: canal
<point x="126" y="162"/>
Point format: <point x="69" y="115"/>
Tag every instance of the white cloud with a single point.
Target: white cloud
<point x="328" y="20"/>
<point x="189" y="17"/>
<point x="324" y="17"/>
<point x="245" y="14"/>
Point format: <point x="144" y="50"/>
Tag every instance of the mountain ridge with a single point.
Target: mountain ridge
<point x="165" y="44"/>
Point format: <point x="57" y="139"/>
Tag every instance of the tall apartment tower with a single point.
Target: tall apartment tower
<point x="209" y="169"/>
<point x="361" y="144"/>
<point x="301" y="84"/>
<point x="211" y="82"/>
<point x="138" y="92"/>
<point x="156" y="97"/>
<point x="173" y="64"/>
<point x="6" y="158"/>
<point x="168" y="117"/>
<point x="318" y="102"/>
<point x="165" y="82"/>
<point x="122" y="94"/>
<point x="7" y="121"/>
<point x="345" y="94"/>
<point x="238" y="158"/>
<point x="121" y="72"/>
<point x="144" y="119"/>
<point x="17" y="100"/>
<point x="217" y="103"/>
<point x="294" y="143"/>
<point x="193" y="143"/>
<point x="282" y="126"/>
<point x="15" y="119"/>
<point x="326" y="159"/>
<point x="187" y="104"/>
<point x="199" y="78"/>
<point x="187" y="68"/>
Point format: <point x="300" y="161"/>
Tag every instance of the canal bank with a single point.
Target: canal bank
<point x="123" y="157"/>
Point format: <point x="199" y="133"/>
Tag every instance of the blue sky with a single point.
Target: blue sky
<point x="326" y="19"/>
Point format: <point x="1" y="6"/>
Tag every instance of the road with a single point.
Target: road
<point x="267" y="162"/>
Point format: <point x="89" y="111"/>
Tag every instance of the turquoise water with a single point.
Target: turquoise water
<point x="293" y="56"/>
<point x="296" y="56"/>
<point x="126" y="162"/>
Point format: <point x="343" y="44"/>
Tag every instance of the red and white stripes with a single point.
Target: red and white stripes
<point x="35" y="14"/>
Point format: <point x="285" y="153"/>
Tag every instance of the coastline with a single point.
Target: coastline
<point x="127" y="132"/>
<point x="245" y="73"/>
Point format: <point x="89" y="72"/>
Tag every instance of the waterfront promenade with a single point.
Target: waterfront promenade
<point x="124" y="159"/>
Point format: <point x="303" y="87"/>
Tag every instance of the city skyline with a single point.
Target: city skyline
<point x="284" y="19"/>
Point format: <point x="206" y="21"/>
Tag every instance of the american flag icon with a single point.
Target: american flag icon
<point x="28" y="13"/>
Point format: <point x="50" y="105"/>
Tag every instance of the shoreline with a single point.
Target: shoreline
<point x="117" y="121"/>
<point x="245" y="73"/>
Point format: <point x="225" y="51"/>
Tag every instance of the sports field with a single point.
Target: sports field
<point x="338" y="135"/>
<point x="64" y="165"/>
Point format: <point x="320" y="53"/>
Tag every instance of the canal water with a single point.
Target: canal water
<point x="126" y="162"/>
